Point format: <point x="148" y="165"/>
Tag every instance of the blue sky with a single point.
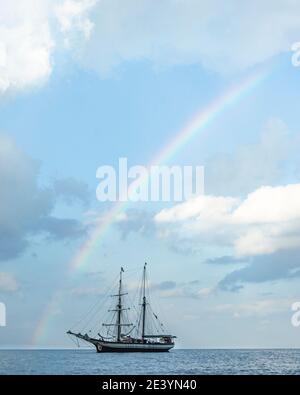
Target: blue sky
<point x="83" y="83"/>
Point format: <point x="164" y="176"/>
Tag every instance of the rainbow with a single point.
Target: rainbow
<point x="198" y="123"/>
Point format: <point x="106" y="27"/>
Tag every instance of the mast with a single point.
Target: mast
<point x="119" y="307"/>
<point x="144" y="302"/>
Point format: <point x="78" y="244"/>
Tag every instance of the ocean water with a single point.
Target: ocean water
<point x="85" y="361"/>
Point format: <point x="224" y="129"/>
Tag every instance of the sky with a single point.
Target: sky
<point x="86" y="82"/>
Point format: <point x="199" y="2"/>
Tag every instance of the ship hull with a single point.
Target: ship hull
<point x="131" y="347"/>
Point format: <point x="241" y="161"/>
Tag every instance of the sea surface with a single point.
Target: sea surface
<point x="176" y="362"/>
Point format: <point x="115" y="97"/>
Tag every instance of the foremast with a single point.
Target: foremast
<point x="119" y="309"/>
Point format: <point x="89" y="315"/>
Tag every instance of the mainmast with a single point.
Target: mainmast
<point x="144" y="303"/>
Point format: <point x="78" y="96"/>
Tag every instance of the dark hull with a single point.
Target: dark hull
<point x="123" y="347"/>
<point x="107" y="349"/>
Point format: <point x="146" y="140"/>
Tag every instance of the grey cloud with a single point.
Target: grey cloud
<point x="25" y="206"/>
<point x="186" y="289"/>
<point x="61" y="228"/>
<point x="225" y="260"/>
<point x="194" y="282"/>
<point x="136" y="221"/>
<point x="142" y="222"/>
<point x="72" y="190"/>
<point x="165" y="285"/>
<point x="12" y="243"/>
<point x="281" y="265"/>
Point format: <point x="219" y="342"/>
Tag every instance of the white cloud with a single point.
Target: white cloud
<point x="28" y="38"/>
<point x="72" y="16"/>
<point x="266" y="221"/>
<point x="222" y="36"/>
<point x="271" y="216"/>
<point x="25" y="44"/>
<point x="214" y="208"/>
<point x="270" y="205"/>
<point x="8" y="283"/>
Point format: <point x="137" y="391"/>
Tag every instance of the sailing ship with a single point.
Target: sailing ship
<point x="118" y="341"/>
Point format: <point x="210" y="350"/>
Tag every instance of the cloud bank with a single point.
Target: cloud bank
<point x="220" y="36"/>
<point x="266" y="221"/>
<point x="102" y="35"/>
<point x="263" y="268"/>
<point x="26" y="208"/>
